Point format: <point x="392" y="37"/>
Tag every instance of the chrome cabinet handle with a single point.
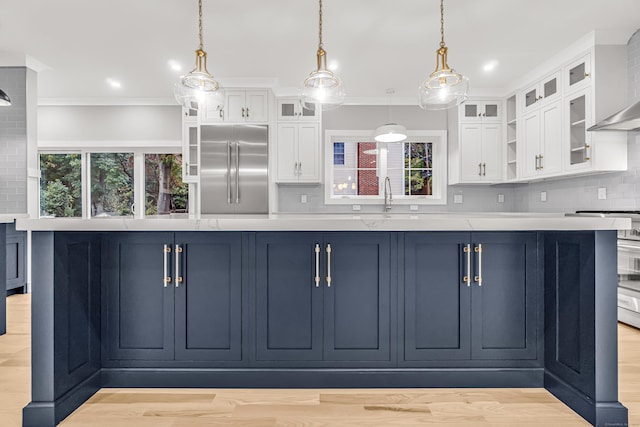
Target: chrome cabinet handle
<point x="478" y="250"/>
<point x="243" y="112"/>
<point x="166" y="278"/>
<point x="237" y="172"/>
<point x="179" y="278"/>
<point x="316" y="279"/>
<point x="228" y="172"/>
<point x="328" y="266"/>
<point x="467" y="279"/>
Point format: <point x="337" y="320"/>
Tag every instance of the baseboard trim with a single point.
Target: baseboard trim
<point x="49" y="414"/>
<point x="322" y="378"/>
<point x="599" y="414"/>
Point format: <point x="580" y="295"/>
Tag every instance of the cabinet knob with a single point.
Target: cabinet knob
<point x="587" y="74"/>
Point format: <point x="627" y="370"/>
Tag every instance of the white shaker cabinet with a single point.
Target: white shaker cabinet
<point x="483" y="111"/>
<point x="298" y="153"/>
<point x="247" y="106"/>
<point x="480" y="153"/>
<point x="292" y="109"/>
<point x="542" y="140"/>
<point x="190" y="152"/>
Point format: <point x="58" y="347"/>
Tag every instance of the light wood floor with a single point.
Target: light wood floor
<point x="305" y="408"/>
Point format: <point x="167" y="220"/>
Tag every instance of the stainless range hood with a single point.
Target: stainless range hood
<point x="626" y="119"/>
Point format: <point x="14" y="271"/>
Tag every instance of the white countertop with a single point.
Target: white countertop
<point x="9" y="218"/>
<point x="332" y="222"/>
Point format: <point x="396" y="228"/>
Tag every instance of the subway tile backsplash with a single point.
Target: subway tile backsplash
<point x="13" y="142"/>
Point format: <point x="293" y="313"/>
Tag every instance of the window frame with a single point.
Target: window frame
<point x="437" y="137"/>
<point x="85" y="152"/>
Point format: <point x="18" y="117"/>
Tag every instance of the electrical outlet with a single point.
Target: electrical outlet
<point x="543" y="196"/>
<point x="303" y="198"/>
<point x="413" y="207"/>
<point x="356" y="207"/>
<point x="500" y="198"/>
<point x="602" y="193"/>
<point x="457" y="198"/>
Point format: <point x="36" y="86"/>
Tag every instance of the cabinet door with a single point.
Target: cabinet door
<point x="504" y="314"/>
<point x="309" y="111"/>
<point x="288" y="109"/>
<point x="550" y="89"/>
<point x="140" y="317"/>
<point x="191" y="152"/>
<point x="492" y="112"/>
<point x="213" y="111"/>
<point x="235" y="110"/>
<point x="257" y="106"/>
<point x="578" y="73"/>
<point x="308" y="152"/>
<point x="357" y="300"/>
<point x="470" y="111"/>
<point x="492" y="152"/>
<point x="287" y="152"/>
<point x="530" y="98"/>
<point x="579" y="119"/>
<point x="531" y="140"/>
<point x="208" y="299"/>
<point x="16" y="258"/>
<point x="552" y="146"/>
<point x="288" y="299"/>
<point x="471" y="152"/>
<point x="436" y="298"/>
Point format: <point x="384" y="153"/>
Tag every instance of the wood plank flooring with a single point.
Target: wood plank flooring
<point x="304" y="408"/>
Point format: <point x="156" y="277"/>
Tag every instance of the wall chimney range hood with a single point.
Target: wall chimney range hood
<point x="626" y="119"/>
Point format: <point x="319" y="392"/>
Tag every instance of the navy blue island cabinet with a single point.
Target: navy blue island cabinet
<point x="324" y="309"/>
<point x="323" y="297"/>
<point x="172" y="297"/>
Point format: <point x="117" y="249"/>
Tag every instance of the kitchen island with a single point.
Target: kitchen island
<point x="431" y="300"/>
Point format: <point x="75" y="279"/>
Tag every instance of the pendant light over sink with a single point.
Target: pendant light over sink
<point x="390" y="132"/>
<point x="198" y="86"/>
<point x="445" y="87"/>
<point x="323" y="86"/>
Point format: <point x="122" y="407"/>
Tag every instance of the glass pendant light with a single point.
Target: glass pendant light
<point x="199" y="85"/>
<point x="391" y="132"/>
<point x="5" y="101"/>
<point x="323" y="86"/>
<point x="444" y="88"/>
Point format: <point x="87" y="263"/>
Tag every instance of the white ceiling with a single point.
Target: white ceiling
<point x="378" y="44"/>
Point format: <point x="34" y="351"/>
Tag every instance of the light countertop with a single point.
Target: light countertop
<point x="332" y="222"/>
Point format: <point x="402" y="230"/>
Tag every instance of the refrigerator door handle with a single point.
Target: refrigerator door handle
<point x="228" y="172"/>
<point x="237" y="172"/>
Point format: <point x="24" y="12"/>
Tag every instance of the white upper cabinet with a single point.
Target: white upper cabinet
<point x="298" y="153"/>
<point x="292" y="109"/>
<point x="247" y="106"/>
<point x="190" y="152"/>
<point x="542" y="92"/>
<point x="481" y="111"/>
<point x="577" y="74"/>
<point x="542" y="140"/>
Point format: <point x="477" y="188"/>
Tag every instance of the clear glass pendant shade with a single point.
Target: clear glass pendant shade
<point x="5" y="101"/>
<point x="444" y="88"/>
<point x="323" y="86"/>
<point x="196" y="99"/>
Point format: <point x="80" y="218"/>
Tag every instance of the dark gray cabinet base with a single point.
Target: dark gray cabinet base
<point x="564" y="283"/>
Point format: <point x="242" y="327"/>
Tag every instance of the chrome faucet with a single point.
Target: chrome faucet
<point x="388" y="196"/>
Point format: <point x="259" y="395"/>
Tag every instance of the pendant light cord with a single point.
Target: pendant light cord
<point x="320" y="45"/>
<point x="441" y="23"/>
<point x="200" y="23"/>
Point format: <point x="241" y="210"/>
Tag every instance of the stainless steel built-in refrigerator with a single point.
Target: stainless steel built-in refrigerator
<point x="234" y="174"/>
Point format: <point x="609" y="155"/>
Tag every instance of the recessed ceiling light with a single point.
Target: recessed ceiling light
<point x="175" y="66"/>
<point x="114" y="83"/>
<point x="490" y="66"/>
<point x="333" y="66"/>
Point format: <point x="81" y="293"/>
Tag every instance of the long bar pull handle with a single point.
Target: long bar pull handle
<point x="587" y="157"/>
<point x="484" y="169"/>
<point x="328" y="266"/>
<point x="467" y="279"/>
<point x="179" y="278"/>
<point x="166" y="279"/>
<point x="478" y="250"/>
<point x="299" y="168"/>
<point x="541" y="164"/>
<point x="243" y="112"/>
<point x="317" y="278"/>
<point x="247" y="112"/>
<point x="229" y="172"/>
<point x="479" y="169"/>
<point x="237" y="172"/>
<point x="221" y="113"/>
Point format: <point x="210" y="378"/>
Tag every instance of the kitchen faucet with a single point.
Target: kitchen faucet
<point x="388" y="196"/>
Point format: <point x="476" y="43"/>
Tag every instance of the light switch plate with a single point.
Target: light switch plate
<point x="303" y="198"/>
<point x="356" y="207"/>
<point x="602" y="193"/>
<point x="500" y="198"/>
<point x="413" y="207"/>
<point x="457" y="198"/>
<point x="543" y="196"/>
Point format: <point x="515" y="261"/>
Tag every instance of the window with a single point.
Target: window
<point x="112" y="187"/>
<point x="338" y="153"/>
<point x="164" y="190"/>
<point x="60" y="185"/>
<point x="416" y="168"/>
